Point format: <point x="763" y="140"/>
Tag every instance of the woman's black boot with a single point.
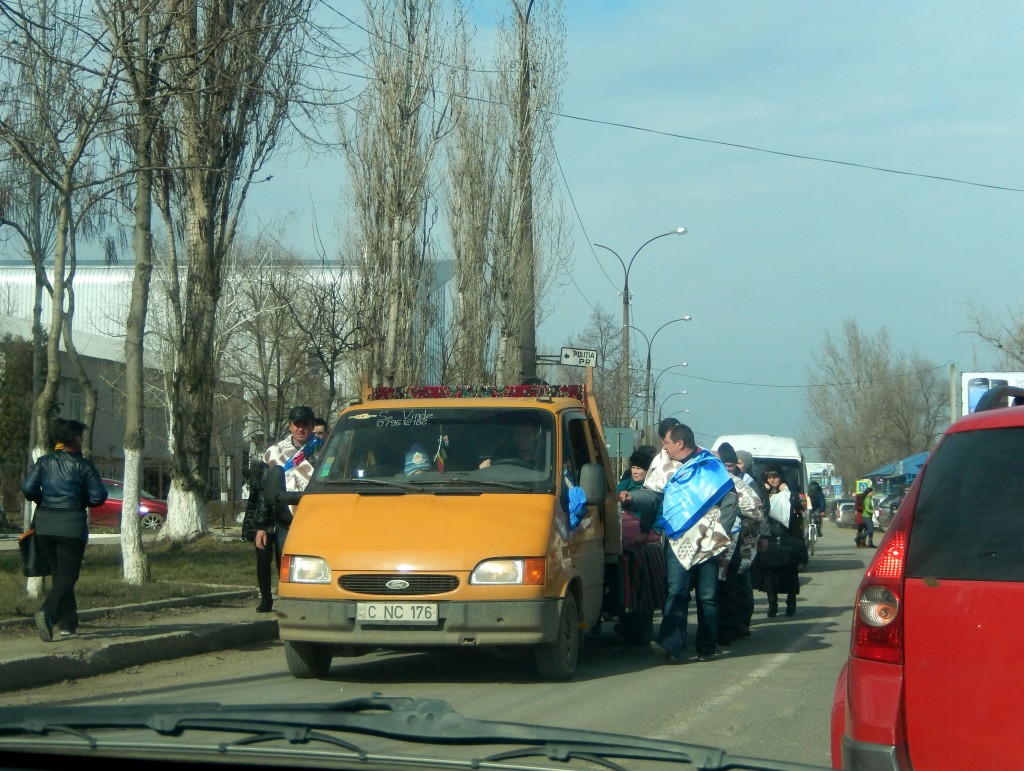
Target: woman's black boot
<point x="773" y="605"/>
<point x="791" y="605"/>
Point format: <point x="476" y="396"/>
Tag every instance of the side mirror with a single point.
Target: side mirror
<point x="594" y="483"/>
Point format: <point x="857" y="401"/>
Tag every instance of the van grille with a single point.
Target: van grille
<point x="377" y="584"/>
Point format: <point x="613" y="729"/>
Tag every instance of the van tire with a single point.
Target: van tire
<point x="307" y="660"/>
<point x="556" y="660"/>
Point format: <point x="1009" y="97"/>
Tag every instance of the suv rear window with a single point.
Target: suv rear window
<point x="969" y="520"/>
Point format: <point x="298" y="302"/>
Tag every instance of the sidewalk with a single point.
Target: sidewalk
<point x="113" y="639"/>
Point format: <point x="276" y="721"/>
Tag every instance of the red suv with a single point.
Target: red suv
<point x="934" y="676"/>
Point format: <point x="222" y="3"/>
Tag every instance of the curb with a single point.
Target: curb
<point x="50" y="669"/>
<point x="172" y="602"/>
<point x="50" y="666"/>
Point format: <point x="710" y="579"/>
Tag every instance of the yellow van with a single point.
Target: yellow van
<point x="442" y="516"/>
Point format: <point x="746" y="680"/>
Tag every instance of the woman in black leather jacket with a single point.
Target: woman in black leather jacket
<point x="63" y="484"/>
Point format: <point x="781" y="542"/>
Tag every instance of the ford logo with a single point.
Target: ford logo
<point x="397" y="583"/>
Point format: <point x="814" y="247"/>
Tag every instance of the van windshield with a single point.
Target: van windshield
<point x="424" y="445"/>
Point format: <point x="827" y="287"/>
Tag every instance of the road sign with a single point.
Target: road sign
<point x="619" y="441"/>
<point x="579" y="357"/>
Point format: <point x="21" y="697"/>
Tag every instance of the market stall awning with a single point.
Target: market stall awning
<point x="908" y="467"/>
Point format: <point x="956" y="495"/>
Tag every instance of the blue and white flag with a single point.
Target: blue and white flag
<point x="700" y="483"/>
<point x="305" y="452"/>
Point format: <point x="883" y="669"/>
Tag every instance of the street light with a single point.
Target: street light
<point x="654" y="388"/>
<point x="647" y="377"/>
<point x="625" y="304"/>
<point x="664" y="401"/>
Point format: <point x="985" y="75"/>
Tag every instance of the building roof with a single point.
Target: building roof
<point x="102" y="347"/>
<point x="909" y="467"/>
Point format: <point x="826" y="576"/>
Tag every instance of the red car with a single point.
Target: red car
<point x="152" y="510"/>
<point x="933" y="679"/>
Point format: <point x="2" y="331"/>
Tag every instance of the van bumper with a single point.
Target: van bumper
<point x="485" y="623"/>
<point x="864" y="756"/>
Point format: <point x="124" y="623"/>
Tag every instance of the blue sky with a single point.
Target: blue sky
<point x="780" y="249"/>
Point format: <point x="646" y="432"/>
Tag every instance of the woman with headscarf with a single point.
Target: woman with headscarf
<point x="775" y="577"/>
<point x="641" y="574"/>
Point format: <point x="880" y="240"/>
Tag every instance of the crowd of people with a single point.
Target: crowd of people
<point x="698" y="525"/>
<point x="724" y="535"/>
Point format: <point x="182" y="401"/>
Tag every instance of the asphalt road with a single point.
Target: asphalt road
<point x="766" y="696"/>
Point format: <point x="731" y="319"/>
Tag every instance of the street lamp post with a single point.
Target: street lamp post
<point x="647" y="371"/>
<point x="661" y="409"/>
<point x="625" y="306"/>
<point x="654" y="389"/>
<point x="658" y="380"/>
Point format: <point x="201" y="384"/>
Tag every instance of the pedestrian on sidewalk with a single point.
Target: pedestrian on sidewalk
<point x="63" y="484"/>
<point x="265" y="556"/>
<point x="289" y="468"/>
<point x="863" y="519"/>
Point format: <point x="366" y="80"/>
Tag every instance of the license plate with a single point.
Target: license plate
<point x="397" y="612"/>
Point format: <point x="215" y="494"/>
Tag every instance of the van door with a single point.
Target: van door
<point x="586" y="541"/>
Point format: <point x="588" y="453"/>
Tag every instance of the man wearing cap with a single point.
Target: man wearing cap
<point x="699" y="483"/>
<point x="284" y="472"/>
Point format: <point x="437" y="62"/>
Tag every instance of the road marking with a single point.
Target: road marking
<point x="696" y="712"/>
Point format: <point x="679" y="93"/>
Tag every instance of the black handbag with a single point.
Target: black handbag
<point x="33" y="563"/>
<point x="779" y="548"/>
<point x="773" y="551"/>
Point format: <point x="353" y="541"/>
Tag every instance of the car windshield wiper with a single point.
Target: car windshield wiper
<point x="464" y="482"/>
<point x="368" y="482"/>
<point x="421" y="721"/>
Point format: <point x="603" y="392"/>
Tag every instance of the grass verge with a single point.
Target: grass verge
<point x="177" y="570"/>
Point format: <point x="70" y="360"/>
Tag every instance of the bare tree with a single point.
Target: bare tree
<point x="237" y="70"/>
<point x="474" y="159"/>
<point x="603" y="334"/>
<point x="267" y="355"/>
<point x="28" y="208"/>
<point x="137" y="33"/>
<point x="531" y="66"/>
<point x="1003" y="333"/>
<point x="327" y="321"/>
<point x="390" y="147"/>
<point x="57" y="92"/>
<point x="871" y="405"/>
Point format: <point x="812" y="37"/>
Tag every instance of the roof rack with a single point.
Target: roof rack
<point x="478" y="391"/>
<point x="1003" y="396"/>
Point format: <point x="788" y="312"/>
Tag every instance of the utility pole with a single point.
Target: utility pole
<point x="528" y="335"/>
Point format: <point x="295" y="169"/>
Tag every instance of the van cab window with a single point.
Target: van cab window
<point x="575" y="452"/>
<point x="434" y="444"/>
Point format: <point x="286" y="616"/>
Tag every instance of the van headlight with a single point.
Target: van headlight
<point x="528" y="571"/>
<point x="308" y="570"/>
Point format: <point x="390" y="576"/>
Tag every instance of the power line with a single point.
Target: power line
<point x="812" y="385"/>
<point x="738" y="145"/>
<point x="784" y="154"/>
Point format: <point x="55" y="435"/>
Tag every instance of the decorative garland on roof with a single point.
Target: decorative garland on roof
<point x="477" y="392"/>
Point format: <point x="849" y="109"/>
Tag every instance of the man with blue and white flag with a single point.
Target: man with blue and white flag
<point x="697" y="508"/>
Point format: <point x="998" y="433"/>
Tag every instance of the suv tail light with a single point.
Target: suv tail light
<point x="878" y="619"/>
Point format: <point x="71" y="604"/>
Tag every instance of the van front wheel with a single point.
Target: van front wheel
<point x="556" y="660"/>
<point x="307" y="660"/>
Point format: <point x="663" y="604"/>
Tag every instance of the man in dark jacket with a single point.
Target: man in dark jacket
<point x="288" y="469"/>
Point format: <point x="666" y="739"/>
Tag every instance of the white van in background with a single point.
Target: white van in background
<point x="767" y="449"/>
